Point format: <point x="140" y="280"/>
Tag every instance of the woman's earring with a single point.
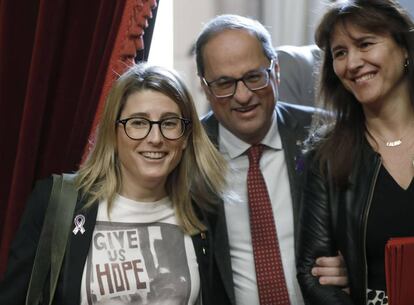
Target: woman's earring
<point x="406" y="63"/>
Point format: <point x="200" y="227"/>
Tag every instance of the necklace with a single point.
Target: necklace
<point x="392" y="143"/>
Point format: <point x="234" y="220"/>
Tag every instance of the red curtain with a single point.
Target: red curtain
<point x="54" y="56"/>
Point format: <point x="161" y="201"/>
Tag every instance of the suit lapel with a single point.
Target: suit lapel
<point x="291" y="151"/>
<point x="292" y="133"/>
<point x="222" y="253"/>
<point x="211" y="126"/>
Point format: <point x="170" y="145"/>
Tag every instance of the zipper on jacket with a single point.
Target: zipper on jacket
<point x="203" y="238"/>
<point x="365" y="224"/>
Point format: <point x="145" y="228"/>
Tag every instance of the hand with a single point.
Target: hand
<point x="331" y="270"/>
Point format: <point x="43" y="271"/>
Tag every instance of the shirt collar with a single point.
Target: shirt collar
<point x="235" y="147"/>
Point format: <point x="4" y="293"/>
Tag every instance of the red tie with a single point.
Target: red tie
<point x="269" y="269"/>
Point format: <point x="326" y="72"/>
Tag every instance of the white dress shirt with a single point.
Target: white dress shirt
<point x="274" y="170"/>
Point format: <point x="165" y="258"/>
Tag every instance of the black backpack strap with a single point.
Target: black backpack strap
<point x="53" y="239"/>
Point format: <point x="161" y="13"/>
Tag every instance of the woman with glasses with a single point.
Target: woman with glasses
<point x="140" y="232"/>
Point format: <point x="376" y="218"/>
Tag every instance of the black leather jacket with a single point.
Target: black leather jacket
<point x="14" y="285"/>
<point x="332" y="220"/>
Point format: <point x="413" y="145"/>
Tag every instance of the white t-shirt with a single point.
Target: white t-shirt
<point x="140" y="256"/>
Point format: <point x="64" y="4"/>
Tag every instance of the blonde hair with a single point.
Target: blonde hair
<point x="200" y="175"/>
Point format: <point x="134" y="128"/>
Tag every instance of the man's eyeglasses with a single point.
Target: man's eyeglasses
<point x="137" y="128"/>
<point x="254" y="80"/>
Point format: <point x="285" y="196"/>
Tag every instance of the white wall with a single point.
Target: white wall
<point x="189" y="16"/>
<point x="408" y="5"/>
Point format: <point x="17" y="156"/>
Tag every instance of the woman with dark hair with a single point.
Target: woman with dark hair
<point x="359" y="188"/>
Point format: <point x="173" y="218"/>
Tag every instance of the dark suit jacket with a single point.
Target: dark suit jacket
<point x="14" y="286"/>
<point x="298" y="73"/>
<point x="293" y="123"/>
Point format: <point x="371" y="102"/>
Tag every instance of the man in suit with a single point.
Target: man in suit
<point x="298" y="67"/>
<point x="239" y="73"/>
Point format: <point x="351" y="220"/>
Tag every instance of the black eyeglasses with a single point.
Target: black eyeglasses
<point x="137" y="128"/>
<point x="253" y="80"/>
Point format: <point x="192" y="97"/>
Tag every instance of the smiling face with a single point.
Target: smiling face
<point x="247" y="114"/>
<point x="145" y="164"/>
<point x="369" y="65"/>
